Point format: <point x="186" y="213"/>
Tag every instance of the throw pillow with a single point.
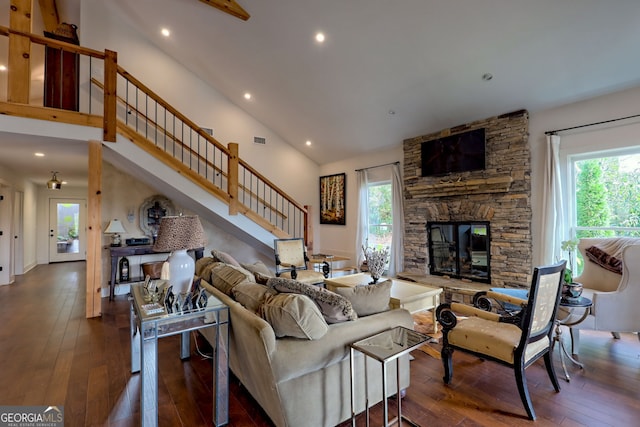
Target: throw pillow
<point x="335" y="308"/>
<point x="224" y="277"/>
<point x="251" y="295"/>
<point x="294" y="315"/>
<point x="224" y="257"/>
<point x="368" y="299"/>
<point x="202" y="263"/>
<point x="260" y="271"/>
<point x="604" y="260"/>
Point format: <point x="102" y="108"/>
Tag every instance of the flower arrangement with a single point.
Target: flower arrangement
<point x="570" y="290"/>
<point x="376" y="261"/>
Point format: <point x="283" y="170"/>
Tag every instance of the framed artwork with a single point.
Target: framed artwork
<point x="333" y="199"/>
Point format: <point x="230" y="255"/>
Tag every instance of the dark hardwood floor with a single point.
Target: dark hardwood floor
<point x="51" y="355"/>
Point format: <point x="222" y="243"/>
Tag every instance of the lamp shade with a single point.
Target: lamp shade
<point x="179" y="232"/>
<point x="115" y="227"/>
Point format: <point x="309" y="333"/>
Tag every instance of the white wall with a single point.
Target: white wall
<point x="340" y="239"/>
<point x="614" y="135"/>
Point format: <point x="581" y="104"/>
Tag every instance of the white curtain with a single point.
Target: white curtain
<point x="363" y="215"/>
<point x="553" y="214"/>
<point x="396" y="263"/>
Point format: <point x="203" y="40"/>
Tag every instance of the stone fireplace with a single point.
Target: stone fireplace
<point x="499" y="195"/>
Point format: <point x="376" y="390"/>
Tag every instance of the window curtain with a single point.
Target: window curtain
<point x="362" y="231"/>
<point x="396" y="263"/>
<point x="553" y="215"/>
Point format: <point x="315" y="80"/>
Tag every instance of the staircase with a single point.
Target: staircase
<point x="205" y="176"/>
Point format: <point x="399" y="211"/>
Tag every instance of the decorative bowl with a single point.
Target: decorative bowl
<point x="571" y="291"/>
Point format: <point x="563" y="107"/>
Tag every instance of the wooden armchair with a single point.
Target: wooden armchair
<point x="516" y="340"/>
<point x="292" y="262"/>
<point x="616" y="297"/>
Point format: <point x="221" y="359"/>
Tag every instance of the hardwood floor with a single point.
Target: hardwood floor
<point x="51" y="355"/>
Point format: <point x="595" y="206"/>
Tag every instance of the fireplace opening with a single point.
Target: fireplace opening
<point x="460" y="249"/>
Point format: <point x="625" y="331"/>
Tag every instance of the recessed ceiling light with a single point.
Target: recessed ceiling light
<point x="308" y="143"/>
<point x="392" y="112"/>
<point x="3" y="68"/>
<point x="38" y="154"/>
<point x="165" y="32"/>
<point x="487" y="76"/>
<point x="247" y="96"/>
<point x="320" y="37"/>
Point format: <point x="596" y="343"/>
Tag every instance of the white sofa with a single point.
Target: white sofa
<point x="301" y="382"/>
<point x="616" y="298"/>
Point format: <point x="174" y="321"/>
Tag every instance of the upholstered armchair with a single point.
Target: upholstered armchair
<point x="615" y="296"/>
<point x="292" y="262"/>
<point x="514" y="340"/>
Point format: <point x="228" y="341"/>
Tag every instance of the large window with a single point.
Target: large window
<point x="607" y="195"/>
<point x="380" y="217"/>
<point x="606" y="189"/>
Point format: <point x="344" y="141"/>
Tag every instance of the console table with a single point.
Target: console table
<point x="149" y="322"/>
<point x="118" y="252"/>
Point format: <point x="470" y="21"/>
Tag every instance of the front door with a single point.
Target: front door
<point x="67" y="237"/>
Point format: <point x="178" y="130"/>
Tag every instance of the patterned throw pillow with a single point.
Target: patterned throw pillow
<point x="334" y="308"/>
<point x="604" y="260"/>
<point x="368" y="299"/>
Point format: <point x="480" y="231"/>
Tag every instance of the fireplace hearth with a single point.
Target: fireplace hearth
<point x="460" y="249"/>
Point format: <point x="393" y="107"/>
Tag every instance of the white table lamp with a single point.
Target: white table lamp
<point x="178" y="234"/>
<point x="114" y="228"/>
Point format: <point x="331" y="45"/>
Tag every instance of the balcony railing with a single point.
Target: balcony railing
<point x="107" y="96"/>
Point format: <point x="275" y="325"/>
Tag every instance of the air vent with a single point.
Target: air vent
<point x="259" y="140"/>
<point x="209" y="131"/>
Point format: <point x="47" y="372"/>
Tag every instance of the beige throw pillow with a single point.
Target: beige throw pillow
<point x="294" y="315"/>
<point x="368" y="299"/>
<point x="224" y="277"/>
<point x="260" y="271"/>
<point x="251" y="295"/>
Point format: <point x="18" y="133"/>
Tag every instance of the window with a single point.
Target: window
<point x="380" y="217"/>
<point x="607" y="195"/>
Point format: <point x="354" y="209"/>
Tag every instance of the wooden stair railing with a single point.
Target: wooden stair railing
<point x="179" y="142"/>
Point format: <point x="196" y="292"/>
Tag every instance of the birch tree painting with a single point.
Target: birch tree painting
<point x="332" y="199"/>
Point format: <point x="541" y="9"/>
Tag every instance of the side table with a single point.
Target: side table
<point x="581" y="303"/>
<point x="148" y="324"/>
<point x="384" y="347"/>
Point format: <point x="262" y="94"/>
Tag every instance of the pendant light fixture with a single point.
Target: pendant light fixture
<point x="54" y="183"/>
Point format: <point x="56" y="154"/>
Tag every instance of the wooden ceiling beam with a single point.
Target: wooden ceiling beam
<point x="49" y="11"/>
<point x="228" y="6"/>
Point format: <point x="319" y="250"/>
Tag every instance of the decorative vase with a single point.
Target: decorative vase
<point x="376" y="262"/>
<point x="571" y="291"/>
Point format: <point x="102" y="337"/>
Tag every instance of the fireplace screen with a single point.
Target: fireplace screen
<point x="460" y="250"/>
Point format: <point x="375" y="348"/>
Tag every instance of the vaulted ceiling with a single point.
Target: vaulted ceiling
<point x="390" y="70"/>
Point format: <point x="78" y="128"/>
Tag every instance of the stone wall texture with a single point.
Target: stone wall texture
<point x="500" y="194"/>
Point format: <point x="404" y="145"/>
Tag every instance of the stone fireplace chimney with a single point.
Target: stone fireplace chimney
<point x="500" y="194"/>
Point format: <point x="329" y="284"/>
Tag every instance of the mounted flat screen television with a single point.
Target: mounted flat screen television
<point x="461" y="152"/>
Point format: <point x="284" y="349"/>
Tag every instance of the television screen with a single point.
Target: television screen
<point x="455" y="153"/>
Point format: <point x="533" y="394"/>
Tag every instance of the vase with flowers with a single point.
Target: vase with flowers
<point x="571" y="290"/>
<point x="376" y="261"/>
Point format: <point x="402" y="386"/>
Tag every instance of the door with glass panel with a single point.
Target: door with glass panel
<point x="67" y="237"/>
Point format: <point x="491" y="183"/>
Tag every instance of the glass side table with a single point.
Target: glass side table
<point x="384" y="347"/>
<point x="581" y="303"/>
<point x="149" y="322"/>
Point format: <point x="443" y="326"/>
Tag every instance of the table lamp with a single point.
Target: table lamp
<point x="178" y="234"/>
<point x="114" y="228"/>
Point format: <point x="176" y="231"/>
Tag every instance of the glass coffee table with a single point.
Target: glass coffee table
<point x="384" y="347"/>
